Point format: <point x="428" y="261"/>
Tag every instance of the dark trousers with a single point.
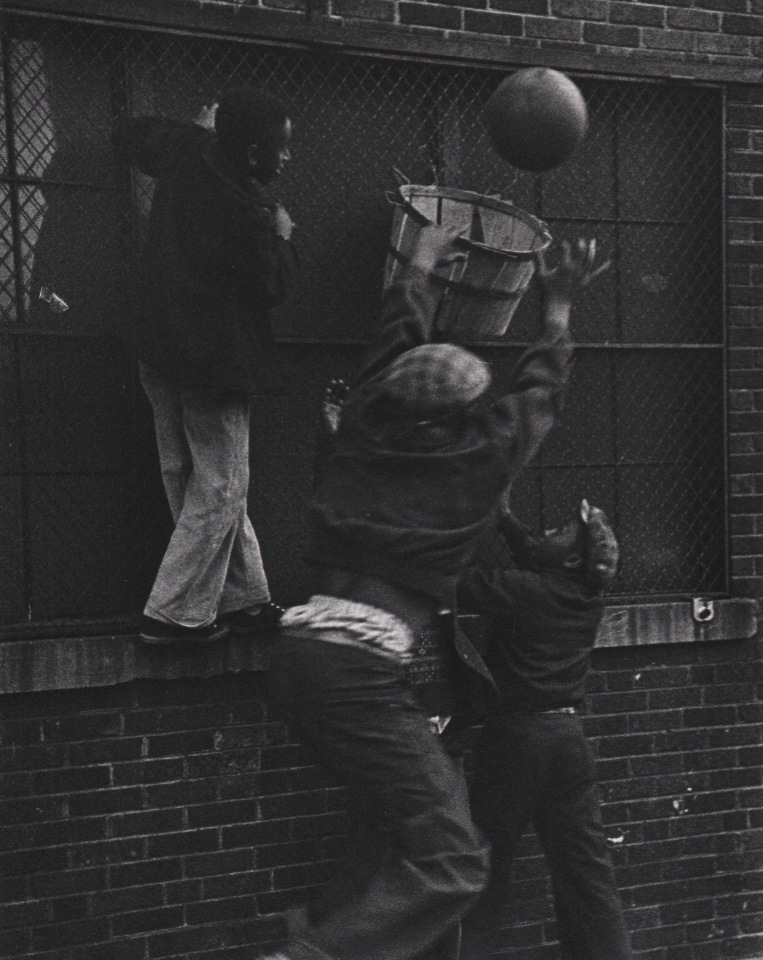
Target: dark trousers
<point x="419" y="863"/>
<point x="538" y="769"/>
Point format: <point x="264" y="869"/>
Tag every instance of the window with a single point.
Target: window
<point x="643" y="427"/>
<point x="80" y="499"/>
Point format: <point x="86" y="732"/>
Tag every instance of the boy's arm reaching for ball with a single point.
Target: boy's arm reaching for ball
<point x="534" y="401"/>
<point x="516" y="534"/>
<point x="409" y="310"/>
<point x="330" y="418"/>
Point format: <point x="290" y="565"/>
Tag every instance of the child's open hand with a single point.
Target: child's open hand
<point x="206" y="117"/>
<point x="283" y="222"/>
<point x="575" y="269"/>
<point x="331" y="407"/>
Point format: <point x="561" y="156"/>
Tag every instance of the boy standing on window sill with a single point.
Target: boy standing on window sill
<point x="217" y="257"/>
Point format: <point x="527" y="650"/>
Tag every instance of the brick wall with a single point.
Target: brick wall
<point x="155" y="819"/>
<point x="176" y="819"/>
<point x="680" y="30"/>
<point x="718" y="28"/>
<point x="683" y="37"/>
<point x="745" y="314"/>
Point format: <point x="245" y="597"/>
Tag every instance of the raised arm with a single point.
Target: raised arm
<point x="411" y="302"/>
<point x="330" y="418"/>
<point x="495" y="592"/>
<point x="535" y="398"/>
<point x="515" y="533"/>
<point x="148" y="143"/>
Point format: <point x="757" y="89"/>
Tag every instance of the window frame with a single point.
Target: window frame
<point x="78" y="626"/>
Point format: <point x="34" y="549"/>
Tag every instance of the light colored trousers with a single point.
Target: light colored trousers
<point x="213" y="564"/>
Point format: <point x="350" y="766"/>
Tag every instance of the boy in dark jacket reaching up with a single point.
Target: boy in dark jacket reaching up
<point x="419" y="462"/>
<point x="533" y="764"/>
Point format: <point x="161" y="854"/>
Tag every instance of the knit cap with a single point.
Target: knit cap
<point x="436" y="378"/>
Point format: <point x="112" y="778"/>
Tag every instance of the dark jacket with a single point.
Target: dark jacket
<point x="408" y="510"/>
<point x="212" y="264"/>
<point x="543" y="630"/>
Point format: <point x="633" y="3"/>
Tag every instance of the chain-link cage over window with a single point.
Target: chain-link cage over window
<point x="642" y="433"/>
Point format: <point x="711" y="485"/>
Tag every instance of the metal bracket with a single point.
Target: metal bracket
<point x="702" y="610"/>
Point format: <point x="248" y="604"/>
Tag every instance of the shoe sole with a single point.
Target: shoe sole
<point x="253" y="631"/>
<point x="167" y="641"/>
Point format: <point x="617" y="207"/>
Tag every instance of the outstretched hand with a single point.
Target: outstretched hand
<point x="331" y="407"/>
<point x="206" y="117"/>
<point x="283" y="222"/>
<point x="575" y="269"/>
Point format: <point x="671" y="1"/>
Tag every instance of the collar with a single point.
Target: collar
<point x="222" y="168"/>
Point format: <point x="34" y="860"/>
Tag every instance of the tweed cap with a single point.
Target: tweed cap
<point x="436" y="378"/>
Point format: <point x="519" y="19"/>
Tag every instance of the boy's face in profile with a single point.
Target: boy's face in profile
<point x="267" y="158"/>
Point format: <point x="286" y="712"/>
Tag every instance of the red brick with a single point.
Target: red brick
<point x="681" y="40"/>
<point x="610" y="35"/>
<point x="537" y="8"/>
<point x="556" y="29"/>
<point x="163" y="918"/>
<point x="430" y="15"/>
<point x="694" y="20"/>
<point x="637" y="14"/>
<point x="581" y="9"/>
<point x="220" y="862"/>
<point x="142" y="872"/>
<point x="502" y="24"/>
<point x="381" y="10"/>
<point x="182" y="843"/>
<point x="747" y="26"/>
<point x="74" y="934"/>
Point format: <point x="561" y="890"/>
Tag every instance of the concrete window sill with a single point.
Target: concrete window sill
<point x="71" y="663"/>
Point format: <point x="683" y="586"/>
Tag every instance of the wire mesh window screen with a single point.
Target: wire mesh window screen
<point x="642" y="432"/>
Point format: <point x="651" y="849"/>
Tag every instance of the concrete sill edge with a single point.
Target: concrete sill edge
<point x="69" y="663"/>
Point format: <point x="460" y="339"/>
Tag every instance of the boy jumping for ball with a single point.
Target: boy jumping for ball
<point x="532" y="762"/>
<point x="419" y="463"/>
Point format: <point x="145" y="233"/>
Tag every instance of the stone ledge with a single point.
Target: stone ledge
<point x="654" y="623"/>
<point x="71" y="663"/>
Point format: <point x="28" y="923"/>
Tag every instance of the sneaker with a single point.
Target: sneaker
<point x="261" y="624"/>
<point x="155" y="631"/>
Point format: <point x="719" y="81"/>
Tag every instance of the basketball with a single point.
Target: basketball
<point x="536" y="119"/>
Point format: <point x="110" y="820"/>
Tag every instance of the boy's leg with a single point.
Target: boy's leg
<point x="370" y="849"/>
<point x="246" y="585"/>
<point x="174" y="456"/>
<point x="354" y="709"/>
<point x="590" y="919"/>
<point x="503" y="793"/>
<point x="192" y="575"/>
